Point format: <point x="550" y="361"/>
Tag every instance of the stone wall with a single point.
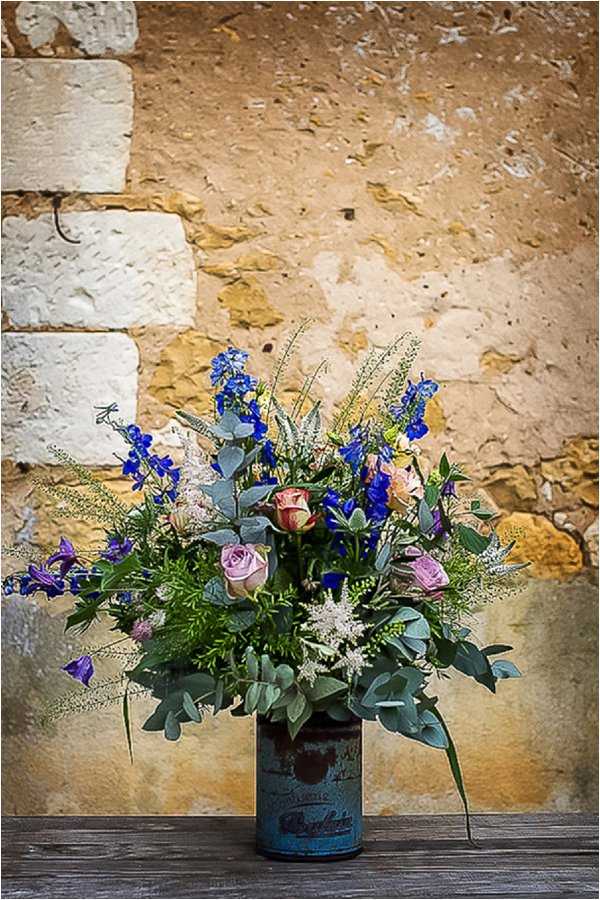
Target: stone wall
<point x="226" y="167"/>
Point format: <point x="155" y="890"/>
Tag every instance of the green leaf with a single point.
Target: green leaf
<point x="294" y="727"/>
<point x="432" y="493"/>
<point x="241" y="619"/>
<point x="113" y="577"/>
<point x="127" y="722"/>
<point x="83" y="616"/>
<point x="444" y="466"/>
<point x="252" y="697"/>
<point x="190" y="708"/>
<point x="252" y="664"/>
<point x="219" y="696"/>
<point x="471" y="661"/>
<point x="284" y="676"/>
<point x="215" y="593"/>
<point x="376" y="690"/>
<point x="504" y="668"/>
<point x="254" y="495"/>
<point x="267" y="669"/>
<point x="383" y="557"/>
<point x="297" y="706"/>
<point x="358" y="520"/>
<point x="494" y="649"/>
<point x="471" y="539"/>
<point x="271" y="693"/>
<point x="339" y="712"/>
<point x="426" y="520"/>
<point x="221" y="537"/>
<point x="324" y="686"/>
<point x="229" y="459"/>
<point x="454" y="764"/>
<point x="172" y="727"/>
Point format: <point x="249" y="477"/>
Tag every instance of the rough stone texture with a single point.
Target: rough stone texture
<point x="95" y="27"/>
<point x="50" y="384"/>
<point x="379" y="167"/>
<point x="67" y="125"/>
<point x="130" y="268"/>
<point x="552" y="553"/>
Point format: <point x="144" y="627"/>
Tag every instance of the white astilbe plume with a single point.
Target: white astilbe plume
<point x="310" y="670"/>
<point x="336" y="628"/>
<point x="333" y="622"/>
<point x="194" y="511"/>
<point x="353" y="662"/>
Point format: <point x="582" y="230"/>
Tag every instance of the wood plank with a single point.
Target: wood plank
<point x="543" y="855"/>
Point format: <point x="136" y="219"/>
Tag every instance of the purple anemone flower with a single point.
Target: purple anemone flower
<point x="66" y="556"/>
<point x="449" y="489"/>
<point x="81" y="669"/>
<point x="117" y="550"/>
<point x="40" y="579"/>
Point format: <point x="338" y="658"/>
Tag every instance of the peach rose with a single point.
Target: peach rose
<point x="404" y="482"/>
<point x="292" y="512"/>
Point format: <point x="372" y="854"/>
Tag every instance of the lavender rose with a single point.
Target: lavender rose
<point x="428" y="573"/>
<point x="245" y="568"/>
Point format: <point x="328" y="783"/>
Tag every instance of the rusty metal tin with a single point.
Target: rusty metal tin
<point x="309" y="791"/>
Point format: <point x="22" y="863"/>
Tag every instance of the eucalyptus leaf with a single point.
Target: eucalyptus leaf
<point x="241" y="619"/>
<point x="190" y="708"/>
<point x="426" y="521"/>
<point x="172" y="727"/>
<point x="221" y="537"/>
<point x="504" y="668"/>
<point x="296" y="707"/>
<point x="229" y="459"/>
<point x="383" y="558"/>
<point x="254" y="495"/>
<point x="324" y="686"/>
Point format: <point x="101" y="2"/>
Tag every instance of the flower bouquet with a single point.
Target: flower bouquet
<point x="316" y="576"/>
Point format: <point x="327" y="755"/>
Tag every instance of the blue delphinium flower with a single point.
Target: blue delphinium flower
<point x="81" y="669"/>
<point x="65" y="555"/>
<point x="226" y="364"/>
<point x="410" y="411"/>
<point x="117" y="549"/>
<point x="354" y="451"/>
<point x="8" y="586"/>
<point x="267" y="455"/>
<point x="376" y="493"/>
<point x="227" y="373"/>
<point x="141" y="463"/>
<point x="332" y="580"/>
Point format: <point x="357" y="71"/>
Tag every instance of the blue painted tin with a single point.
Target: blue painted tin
<point x="309" y="791"/>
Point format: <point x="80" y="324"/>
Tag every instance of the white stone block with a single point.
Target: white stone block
<point x="50" y="386"/>
<point x="66" y="125"/>
<point x="96" y="27"/>
<point x="130" y="268"/>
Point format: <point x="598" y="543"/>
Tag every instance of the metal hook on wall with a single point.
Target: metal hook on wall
<point x="56" y="202"/>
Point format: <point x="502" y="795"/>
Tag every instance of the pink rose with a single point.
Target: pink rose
<point x="428" y="573"/>
<point x="404" y="482"/>
<point x="292" y="512"/>
<point x="245" y="568"/>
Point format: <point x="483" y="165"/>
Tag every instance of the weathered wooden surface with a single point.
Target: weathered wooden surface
<point x="412" y="856"/>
